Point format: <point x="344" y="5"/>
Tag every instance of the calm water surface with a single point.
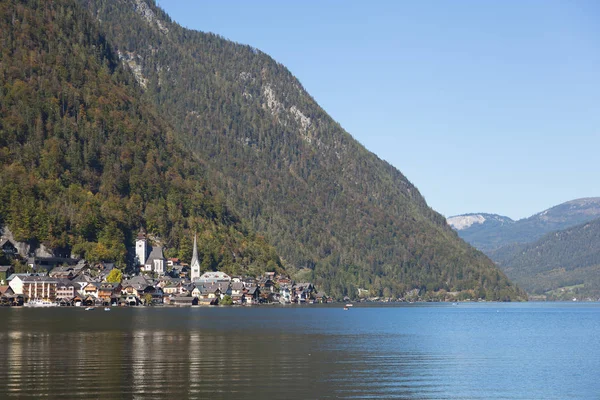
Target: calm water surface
<point x="469" y="351"/>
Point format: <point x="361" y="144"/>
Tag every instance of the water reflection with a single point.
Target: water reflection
<point x="294" y="353"/>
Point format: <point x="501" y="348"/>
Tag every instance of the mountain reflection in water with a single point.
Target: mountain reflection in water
<point x="493" y="351"/>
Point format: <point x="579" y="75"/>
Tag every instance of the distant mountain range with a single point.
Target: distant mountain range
<point x="555" y="253"/>
<point x="489" y="232"/>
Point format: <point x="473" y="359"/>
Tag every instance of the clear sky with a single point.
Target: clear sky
<point x="485" y="106"/>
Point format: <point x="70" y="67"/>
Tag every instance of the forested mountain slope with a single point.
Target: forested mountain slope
<point x="331" y="208"/>
<point x="566" y="258"/>
<point x="85" y="162"/>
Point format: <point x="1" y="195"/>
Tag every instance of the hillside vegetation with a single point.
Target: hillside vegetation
<point x="86" y="162"/>
<point x="336" y="213"/>
<point x="567" y="258"/>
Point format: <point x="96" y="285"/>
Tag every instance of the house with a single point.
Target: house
<point x="209" y="291"/>
<point x="321" y="297"/>
<point x="171" y="289"/>
<point x="303" y="291"/>
<point x="237" y="292"/>
<point x="8" y="248"/>
<point x="39" y="287"/>
<point x="9" y="298"/>
<point x="62" y="272"/>
<point x="48" y="263"/>
<point x="5" y="272"/>
<point x="283" y="280"/>
<point x="196" y="292"/>
<point x="91" y="289"/>
<point x="266" y="284"/>
<point x="285" y="294"/>
<point x="109" y="292"/>
<point x="252" y="295"/>
<point x="6" y="295"/>
<point x="66" y="290"/>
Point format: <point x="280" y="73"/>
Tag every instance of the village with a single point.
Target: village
<point x="156" y="281"/>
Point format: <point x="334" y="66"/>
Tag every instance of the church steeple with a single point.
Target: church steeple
<point x="141" y="248"/>
<point x="195" y="264"/>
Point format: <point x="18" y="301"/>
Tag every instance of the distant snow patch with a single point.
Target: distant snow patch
<point x="464" y="221"/>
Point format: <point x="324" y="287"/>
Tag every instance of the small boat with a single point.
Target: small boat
<point x="89" y="308"/>
<point x="346" y="308"/>
<point x="106" y="308"/>
<point x="40" y="303"/>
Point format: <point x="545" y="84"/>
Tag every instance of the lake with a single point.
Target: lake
<point x="417" y="351"/>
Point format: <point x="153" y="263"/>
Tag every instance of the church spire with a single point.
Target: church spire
<point x="195" y="264"/>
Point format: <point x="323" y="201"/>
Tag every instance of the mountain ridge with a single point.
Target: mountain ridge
<point x="491" y="237"/>
<point x="289" y="169"/>
<point x="86" y="161"/>
<point x="566" y="258"/>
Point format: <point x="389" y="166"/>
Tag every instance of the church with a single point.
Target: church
<point x="153" y="261"/>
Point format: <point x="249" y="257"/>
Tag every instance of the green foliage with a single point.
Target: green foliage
<point x="86" y="162"/>
<point x="560" y="259"/>
<point x="226" y="300"/>
<point x="324" y="201"/>
<point x="147" y="299"/>
<point x="115" y="276"/>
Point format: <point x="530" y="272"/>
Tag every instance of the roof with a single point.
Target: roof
<point x="252" y="290"/>
<point x="6" y="290"/>
<point x="237" y="286"/>
<point x="5" y="268"/>
<point x="141" y="234"/>
<point x="214" y="276"/>
<point x="4" y="241"/>
<point x="195" y="261"/>
<point x="39" y="279"/>
<point x="155" y="254"/>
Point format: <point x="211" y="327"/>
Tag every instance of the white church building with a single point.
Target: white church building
<point x="150" y="262"/>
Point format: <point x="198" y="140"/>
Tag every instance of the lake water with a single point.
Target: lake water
<point x="428" y="351"/>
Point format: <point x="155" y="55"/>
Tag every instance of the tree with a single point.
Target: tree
<point x="115" y="276"/>
<point x="147" y="299"/>
<point x="226" y="300"/>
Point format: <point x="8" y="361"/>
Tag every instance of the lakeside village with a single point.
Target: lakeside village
<point x="56" y="281"/>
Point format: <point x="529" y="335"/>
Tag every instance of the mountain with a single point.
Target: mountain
<point x="490" y="232"/>
<point x="561" y="264"/>
<point x="86" y="161"/>
<point x="336" y="213"/>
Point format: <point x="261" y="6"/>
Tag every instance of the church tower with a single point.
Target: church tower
<point x="141" y="248"/>
<point x="195" y="264"/>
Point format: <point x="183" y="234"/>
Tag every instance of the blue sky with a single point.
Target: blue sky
<point x="484" y="106"/>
